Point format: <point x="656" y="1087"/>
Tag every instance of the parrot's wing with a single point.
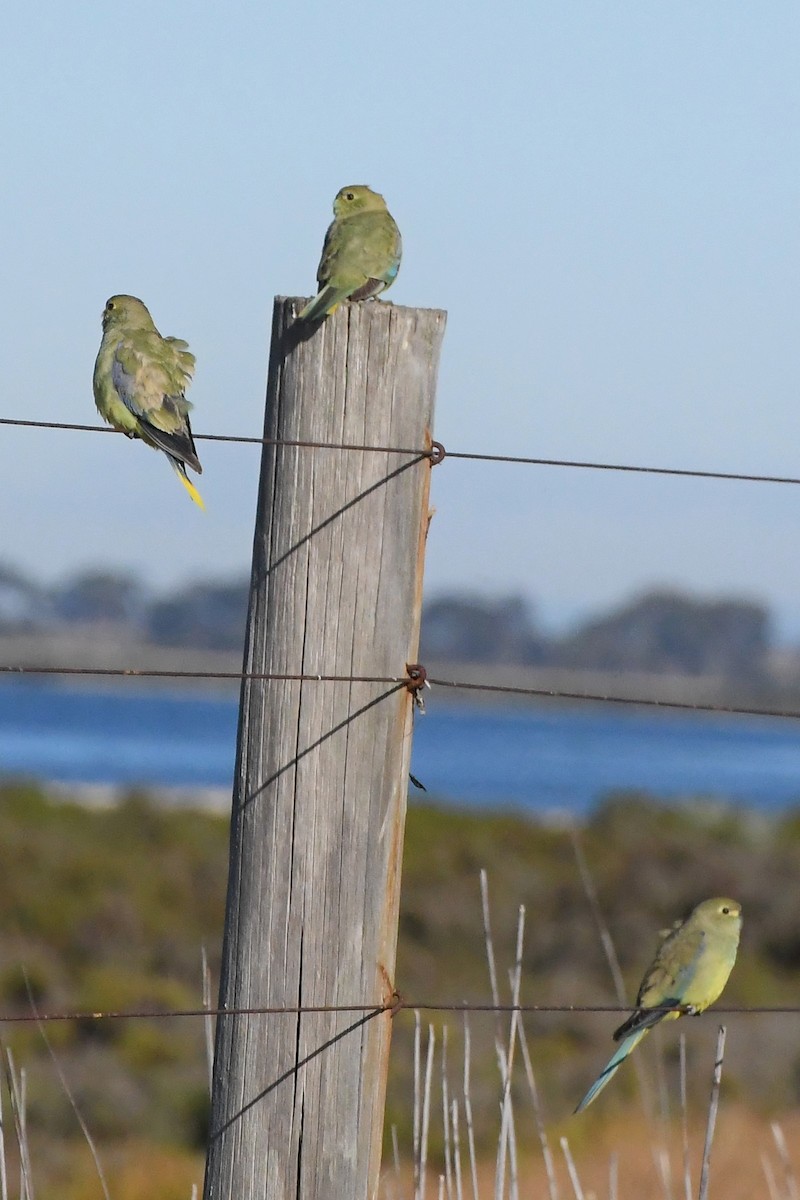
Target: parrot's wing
<point x="147" y="370"/>
<point x="665" y="983"/>
<point x="329" y="252"/>
<point x="673" y="967"/>
<point x="182" y="360"/>
<point x="149" y="374"/>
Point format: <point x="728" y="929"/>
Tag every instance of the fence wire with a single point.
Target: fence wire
<point x="398" y="1004"/>
<point x="412" y="683"/>
<point x="437" y="453"/>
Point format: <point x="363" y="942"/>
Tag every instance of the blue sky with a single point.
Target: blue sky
<point x="605" y="198"/>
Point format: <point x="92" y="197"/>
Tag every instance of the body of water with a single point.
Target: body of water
<point x="531" y="758"/>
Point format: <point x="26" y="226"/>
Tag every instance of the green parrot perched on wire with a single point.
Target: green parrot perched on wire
<point x="140" y="379"/>
<point x="361" y="253"/>
<point x="687" y="974"/>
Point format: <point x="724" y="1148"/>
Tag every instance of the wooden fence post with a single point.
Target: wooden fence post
<point x="322" y="767"/>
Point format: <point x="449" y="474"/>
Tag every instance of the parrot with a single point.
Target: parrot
<point x="360" y="255"/>
<point x="688" y="973"/>
<point x="139" y="382"/>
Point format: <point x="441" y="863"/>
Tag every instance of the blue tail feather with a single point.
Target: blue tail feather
<point x="612" y="1066"/>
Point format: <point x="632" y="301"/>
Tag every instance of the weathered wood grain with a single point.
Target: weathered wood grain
<point x="320" y="793"/>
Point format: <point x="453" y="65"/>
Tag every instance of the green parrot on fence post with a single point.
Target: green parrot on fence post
<point x="140" y="379"/>
<point x="361" y="253"/>
<point x="687" y="974"/>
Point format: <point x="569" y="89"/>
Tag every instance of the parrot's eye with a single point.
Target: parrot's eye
<point x="725" y="909"/>
<point x="109" y="306"/>
<point x="349" y="195"/>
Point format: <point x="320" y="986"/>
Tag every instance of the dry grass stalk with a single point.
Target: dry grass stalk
<point x="17" y="1090"/>
<point x="446" y="1118"/>
<point x="687" y="1166"/>
<point x="613" y="1177"/>
<point x="572" y="1170"/>
<point x="68" y="1092"/>
<point x="594" y="904"/>
<point x="208" y="1020"/>
<point x="661" y="1158"/>
<point x="417" y="1115"/>
<point x="609" y="949"/>
<point x="538" y="1116"/>
<point x="662" y="1091"/>
<point x="783" y="1153"/>
<point x="487" y="933"/>
<point x="396" y="1154"/>
<point x="426" y="1117"/>
<point x="473" y="1163"/>
<point x="663" y="1169"/>
<point x="456" y="1150"/>
<point x="507" y="1130"/>
<point x="3" y="1174"/>
<point x="713" y="1106"/>
<point x="769" y="1175"/>
<point x="508" y="1137"/>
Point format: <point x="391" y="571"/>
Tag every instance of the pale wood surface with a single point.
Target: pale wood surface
<point x="321" y="781"/>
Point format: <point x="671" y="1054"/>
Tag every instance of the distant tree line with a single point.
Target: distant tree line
<point x="207" y="615"/>
<point x="660" y="631"/>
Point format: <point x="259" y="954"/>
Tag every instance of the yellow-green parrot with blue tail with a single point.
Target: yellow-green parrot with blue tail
<point x="687" y="974"/>
<point x="140" y="380"/>
<point x="361" y="254"/>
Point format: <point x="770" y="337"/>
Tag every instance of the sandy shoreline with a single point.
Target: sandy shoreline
<point x="106" y="795"/>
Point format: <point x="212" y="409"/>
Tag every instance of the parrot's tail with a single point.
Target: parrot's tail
<point x="180" y="471"/>
<point x="611" y="1068"/>
<point x="323" y="304"/>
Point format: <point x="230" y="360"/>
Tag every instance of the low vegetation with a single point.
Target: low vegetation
<point x="107" y="909"/>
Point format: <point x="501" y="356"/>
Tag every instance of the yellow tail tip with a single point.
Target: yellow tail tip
<point x="192" y="490"/>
